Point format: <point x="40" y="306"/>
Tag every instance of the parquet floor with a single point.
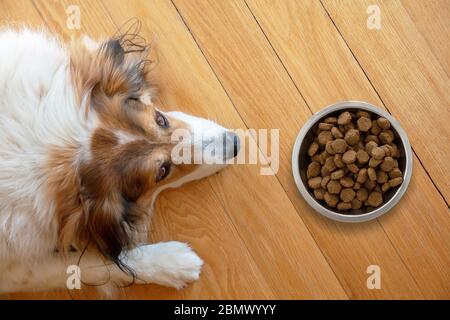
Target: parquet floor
<point x="271" y="64"/>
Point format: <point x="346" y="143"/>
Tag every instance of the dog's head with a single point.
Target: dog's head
<point x="135" y="150"/>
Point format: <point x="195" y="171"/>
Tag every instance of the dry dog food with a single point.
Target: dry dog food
<point x="354" y="161"/>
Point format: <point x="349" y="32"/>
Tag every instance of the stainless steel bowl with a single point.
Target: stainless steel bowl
<point x="300" y="161"/>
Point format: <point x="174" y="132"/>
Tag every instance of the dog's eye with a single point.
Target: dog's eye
<point x="133" y="99"/>
<point x="161" y="120"/>
<point x="163" y="171"/>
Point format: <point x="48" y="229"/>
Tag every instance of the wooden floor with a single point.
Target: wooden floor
<point x="271" y="64"/>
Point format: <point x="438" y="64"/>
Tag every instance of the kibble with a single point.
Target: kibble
<point x="329" y="147"/>
<point x="336" y="133"/>
<point x="370" y="184"/>
<point x="314" y="183"/>
<point x="372" y="174"/>
<point x="369" y="146"/>
<point x="331" y="199"/>
<point x="385" y="187"/>
<point x="353" y="168"/>
<point x="363" y="114"/>
<point x="334" y="187"/>
<point x="339" y="145"/>
<point x="362" y="176"/>
<point x="364" y="124"/>
<point x="324" y="137"/>
<point x="382" y="177"/>
<point x="332" y="120"/>
<point x="347" y="182"/>
<point x="383" y="123"/>
<point x="338" y="161"/>
<point x="386" y="137"/>
<point x="356" y="204"/>
<point x="329" y="164"/>
<point x="395" y="182"/>
<point x="324" y="172"/>
<point x="347" y="194"/>
<point x="313" y="148"/>
<point x="378" y="153"/>
<point x="344" y="118"/>
<point x="313" y="170"/>
<point x="373" y="138"/>
<point x="354" y="161"/>
<point x="395" y="173"/>
<point x="344" y="206"/>
<point x="388" y="164"/>
<point x="373" y="163"/>
<point x="323" y="156"/>
<point x="375" y="130"/>
<point x="349" y="157"/>
<point x="362" y="156"/>
<point x="375" y="199"/>
<point x="352" y="137"/>
<point x="325" y="126"/>
<point x="362" y="194"/>
<point x="319" y="193"/>
<point x="338" y="174"/>
<point x="325" y="181"/>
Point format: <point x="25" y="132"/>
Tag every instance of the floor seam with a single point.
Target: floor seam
<point x="279" y="182"/>
<point x="379" y="96"/>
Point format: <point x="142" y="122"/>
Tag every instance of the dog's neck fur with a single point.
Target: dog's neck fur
<point x="48" y="144"/>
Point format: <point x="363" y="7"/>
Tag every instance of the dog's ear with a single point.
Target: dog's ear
<point x="110" y="185"/>
<point x="105" y="227"/>
<point x="122" y="66"/>
<point x="115" y="68"/>
<point x="110" y="224"/>
<point x="114" y="51"/>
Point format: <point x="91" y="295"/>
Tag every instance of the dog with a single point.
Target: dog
<point x="84" y="152"/>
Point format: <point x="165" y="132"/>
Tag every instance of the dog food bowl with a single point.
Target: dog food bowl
<point x="300" y="161"/>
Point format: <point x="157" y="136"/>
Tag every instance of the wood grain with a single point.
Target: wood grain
<point x="277" y="239"/>
<point x="205" y="237"/>
<point x="311" y="67"/>
<point x="397" y="56"/>
<point x="265" y="97"/>
<point x="432" y="21"/>
<point x="271" y="64"/>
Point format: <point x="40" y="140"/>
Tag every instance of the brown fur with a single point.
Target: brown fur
<point x="100" y="200"/>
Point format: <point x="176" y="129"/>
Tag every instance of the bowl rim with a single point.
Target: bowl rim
<point x="319" y="207"/>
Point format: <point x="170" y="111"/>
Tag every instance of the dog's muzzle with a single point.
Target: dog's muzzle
<point x="231" y="145"/>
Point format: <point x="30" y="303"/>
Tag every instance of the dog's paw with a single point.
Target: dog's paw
<point x="171" y="264"/>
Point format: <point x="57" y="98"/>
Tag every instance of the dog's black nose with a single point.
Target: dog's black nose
<point x="231" y="144"/>
<point x="236" y="145"/>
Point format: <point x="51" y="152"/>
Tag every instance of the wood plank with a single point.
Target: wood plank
<point x="240" y="63"/>
<point x="277" y="239"/>
<point x="179" y="214"/>
<point x="19" y="13"/>
<point x="294" y="30"/>
<point x="431" y="18"/>
<point x="397" y="56"/>
<point x="265" y="97"/>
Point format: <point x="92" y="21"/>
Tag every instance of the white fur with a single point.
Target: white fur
<point x="38" y="111"/>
